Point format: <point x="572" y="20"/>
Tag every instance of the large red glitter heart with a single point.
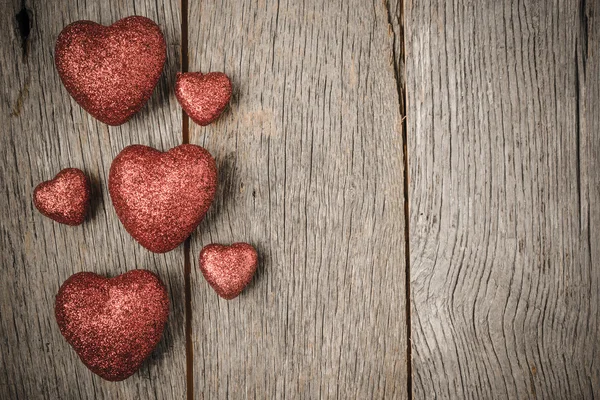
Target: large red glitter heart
<point x="203" y="97"/>
<point x="111" y="71"/>
<point x="66" y="198"/>
<point x="228" y="269"/>
<point x="113" y="324"/>
<point x="161" y="197"/>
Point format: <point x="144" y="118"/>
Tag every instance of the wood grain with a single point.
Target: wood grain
<point x="45" y="131"/>
<point x="503" y="115"/>
<point x="310" y="161"/>
<point x="504" y="160"/>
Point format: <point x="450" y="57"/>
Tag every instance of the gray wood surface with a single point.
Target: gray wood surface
<point x="503" y="117"/>
<point x="44" y="130"/>
<point x="504" y="161"/>
<point x="310" y="161"/>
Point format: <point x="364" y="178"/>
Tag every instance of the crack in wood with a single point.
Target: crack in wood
<point x="578" y="129"/>
<point x="583" y="16"/>
<point x="23" y="20"/>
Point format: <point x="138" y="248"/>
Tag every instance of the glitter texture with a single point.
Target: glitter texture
<point x="66" y="198"/>
<point x="113" y="324"/>
<point x="228" y="269"/>
<point x="203" y="97"/>
<point x="111" y="71"/>
<point x="161" y="197"/>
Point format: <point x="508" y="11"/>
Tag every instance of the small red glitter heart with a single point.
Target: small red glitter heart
<point x="161" y="197"/>
<point x="228" y="269"/>
<point x="66" y="198"/>
<point x="112" y="324"/>
<point x="111" y="71"/>
<point x="203" y="96"/>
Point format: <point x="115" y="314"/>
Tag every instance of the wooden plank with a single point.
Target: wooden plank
<point x="310" y="161"/>
<point x="588" y="95"/>
<point x="504" y="156"/>
<point x="45" y="131"/>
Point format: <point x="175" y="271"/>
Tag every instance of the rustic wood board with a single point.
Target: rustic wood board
<point x="504" y="159"/>
<point x="311" y="173"/>
<point x="503" y="106"/>
<point x="45" y="131"/>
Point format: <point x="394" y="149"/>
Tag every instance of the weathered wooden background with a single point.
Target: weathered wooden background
<point x="504" y="162"/>
<point x="483" y="116"/>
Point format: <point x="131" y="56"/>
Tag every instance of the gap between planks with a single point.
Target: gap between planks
<point x="187" y="262"/>
<point x="400" y="77"/>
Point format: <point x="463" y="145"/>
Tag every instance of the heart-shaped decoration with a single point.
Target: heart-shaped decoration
<point x="161" y="197"/>
<point x="111" y="71"/>
<point x="66" y="198"/>
<point x="203" y="96"/>
<point x="228" y="269"/>
<point x="112" y="324"/>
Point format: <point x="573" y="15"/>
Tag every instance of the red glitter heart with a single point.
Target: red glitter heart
<point x="203" y="97"/>
<point x="161" y="197"/>
<point x="113" y="324"/>
<point x="66" y="198"/>
<point x="111" y="71"/>
<point x="228" y="269"/>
